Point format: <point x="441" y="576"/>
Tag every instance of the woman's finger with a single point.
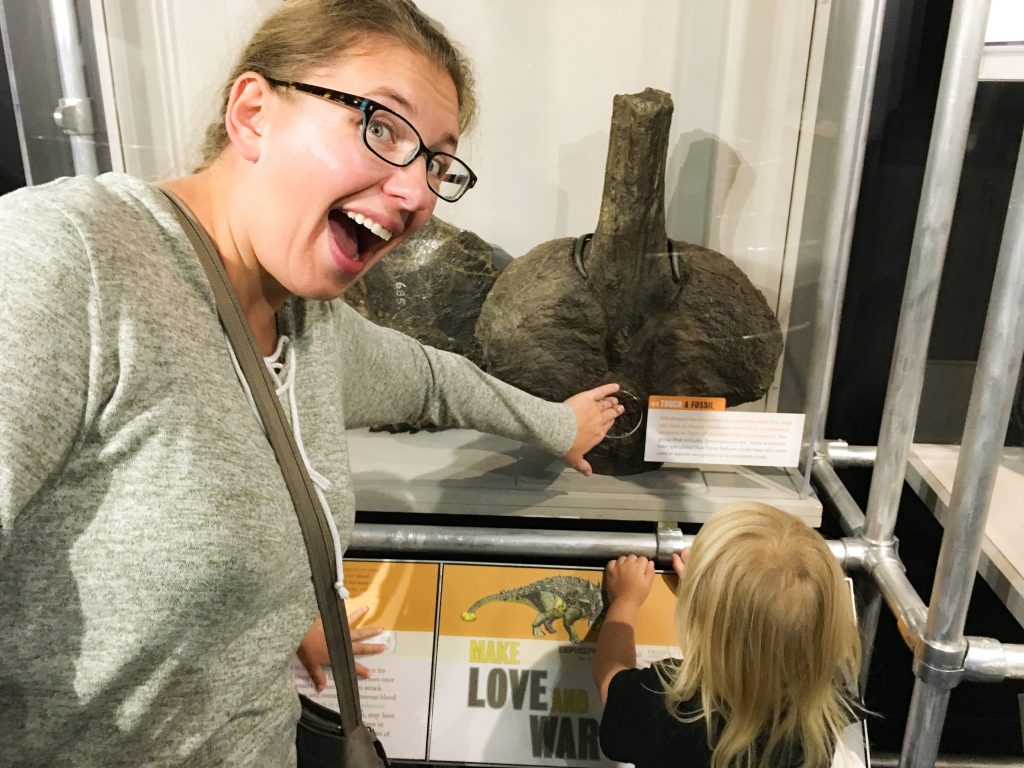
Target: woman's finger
<point x="314" y="670"/>
<point x="357" y="614"/>
<point x="368" y="649"/>
<point x="604" y="390"/>
<point x="361" y="633"/>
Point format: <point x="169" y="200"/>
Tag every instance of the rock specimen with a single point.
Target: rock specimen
<point x="628" y="304"/>
<point x="432" y="286"/>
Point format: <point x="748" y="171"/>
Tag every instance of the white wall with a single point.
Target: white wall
<point x="547" y="73"/>
<point x="167" y="59"/>
<point x="1003" y="58"/>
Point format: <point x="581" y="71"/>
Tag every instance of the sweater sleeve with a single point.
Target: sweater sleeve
<point x="392" y="378"/>
<point x="45" y="284"/>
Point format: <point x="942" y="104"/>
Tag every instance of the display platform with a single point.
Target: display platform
<point x="488" y="665"/>
<point x="461" y="471"/>
<point x="930" y="472"/>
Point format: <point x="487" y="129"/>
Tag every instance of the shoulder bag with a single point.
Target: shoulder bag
<point x="324" y="738"/>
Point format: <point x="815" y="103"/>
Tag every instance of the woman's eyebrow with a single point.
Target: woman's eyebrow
<point x="405" y="107"/>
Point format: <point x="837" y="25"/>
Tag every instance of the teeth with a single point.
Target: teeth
<point x="377" y="229"/>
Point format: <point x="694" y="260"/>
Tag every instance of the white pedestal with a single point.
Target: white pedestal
<point x="930" y="473"/>
<point x="466" y="472"/>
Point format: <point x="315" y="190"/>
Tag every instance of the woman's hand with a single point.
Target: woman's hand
<point x="595" y="411"/>
<point x="313" y="648"/>
<point x="629" y="579"/>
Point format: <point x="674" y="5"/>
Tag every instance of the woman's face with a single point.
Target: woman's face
<point x="322" y="208"/>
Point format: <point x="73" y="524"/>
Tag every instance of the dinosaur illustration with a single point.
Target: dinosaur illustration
<point x="569" y="598"/>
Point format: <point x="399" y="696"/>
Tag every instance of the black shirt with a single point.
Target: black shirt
<point x="637" y="728"/>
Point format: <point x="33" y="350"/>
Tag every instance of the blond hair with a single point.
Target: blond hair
<point x="303" y="35"/>
<point x="769" y="641"/>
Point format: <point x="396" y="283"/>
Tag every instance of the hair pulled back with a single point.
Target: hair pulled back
<point x="769" y="641"/>
<point x="302" y="35"/>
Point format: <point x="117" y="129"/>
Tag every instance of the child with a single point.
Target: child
<point x="770" y="651"/>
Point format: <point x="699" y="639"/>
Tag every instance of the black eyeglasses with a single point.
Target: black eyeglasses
<point x="393" y="139"/>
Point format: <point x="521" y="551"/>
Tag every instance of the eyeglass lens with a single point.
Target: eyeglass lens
<point x="391" y="137"/>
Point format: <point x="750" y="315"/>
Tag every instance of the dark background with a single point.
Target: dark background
<point x="12" y="175"/>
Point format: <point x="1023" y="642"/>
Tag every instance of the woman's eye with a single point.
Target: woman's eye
<point x="439" y="166"/>
<point x="379" y="130"/>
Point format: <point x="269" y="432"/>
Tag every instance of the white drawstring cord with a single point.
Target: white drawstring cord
<point x="282" y="372"/>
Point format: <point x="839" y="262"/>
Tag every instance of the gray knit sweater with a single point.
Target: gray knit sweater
<point x="153" y="579"/>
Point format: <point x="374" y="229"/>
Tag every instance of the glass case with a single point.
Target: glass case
<point x="747" y="169"/>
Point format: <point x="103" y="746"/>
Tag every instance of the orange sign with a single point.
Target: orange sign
<point x="520" y="603"/>
<point x="401" y="596"/>
<point x="684" y="403"/>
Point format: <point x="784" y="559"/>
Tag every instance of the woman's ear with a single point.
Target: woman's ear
<point x="245" y="115"/>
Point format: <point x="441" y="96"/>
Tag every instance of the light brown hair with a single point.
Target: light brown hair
<point x="770" y="644"/>
<point x="303" y="35"/>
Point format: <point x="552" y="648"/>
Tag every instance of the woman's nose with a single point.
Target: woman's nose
<point x="409" y="183"/>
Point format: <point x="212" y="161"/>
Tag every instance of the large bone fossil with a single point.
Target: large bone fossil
<point x="628" y="304"/>
<point x="431" y="287"/>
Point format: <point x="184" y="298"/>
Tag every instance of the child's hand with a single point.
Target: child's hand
<point x="629" y="578"/>
<point x="679" y="562"/>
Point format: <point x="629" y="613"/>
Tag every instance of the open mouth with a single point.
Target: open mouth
<point x="355" y="236"/>
<point x="374" y="227"/>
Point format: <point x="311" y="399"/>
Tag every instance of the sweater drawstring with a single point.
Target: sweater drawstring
<point x="282" y="368"/>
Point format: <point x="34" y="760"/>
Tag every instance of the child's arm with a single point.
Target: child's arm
<point x="627" y="582"/>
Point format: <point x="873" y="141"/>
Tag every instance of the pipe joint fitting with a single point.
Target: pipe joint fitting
<point x="985" y="660"/>
<point x="855" y="553"/>
<point x="940" y="665"/>
<point x="668" y="539"/>
<point x="877" y="554"/>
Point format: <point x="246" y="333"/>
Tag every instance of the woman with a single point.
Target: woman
<point x="153" y="579"/>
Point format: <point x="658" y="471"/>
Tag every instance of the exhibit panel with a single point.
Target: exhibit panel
<point x="491" y="664"/>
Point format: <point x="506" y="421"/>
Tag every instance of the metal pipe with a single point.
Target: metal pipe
<point x="924" y="726"/>
<point x="592" y="545"/>
<point x="851" y="520"/>
<point x="484" y="542"/>
<point x="981" y="448"/>
<point x="992" y="391"/>
<point x="931" y="234"/>
<point x="989" y="661"/>
<point x="901" y="597"/>
<point x="839" y="453"/>
<point x="19" y="122"/>
<point x="838" y="234"/>
<point x="1014" y="661"/>
<point x="935" y="661"/>
<point x="890" y="760"/>
<point x="828" y="484"/>
<point x="870" y="601"/>
<point x="74" y="112"/>
<point x="986" y="660"/>
<point x="851" y="143"/>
